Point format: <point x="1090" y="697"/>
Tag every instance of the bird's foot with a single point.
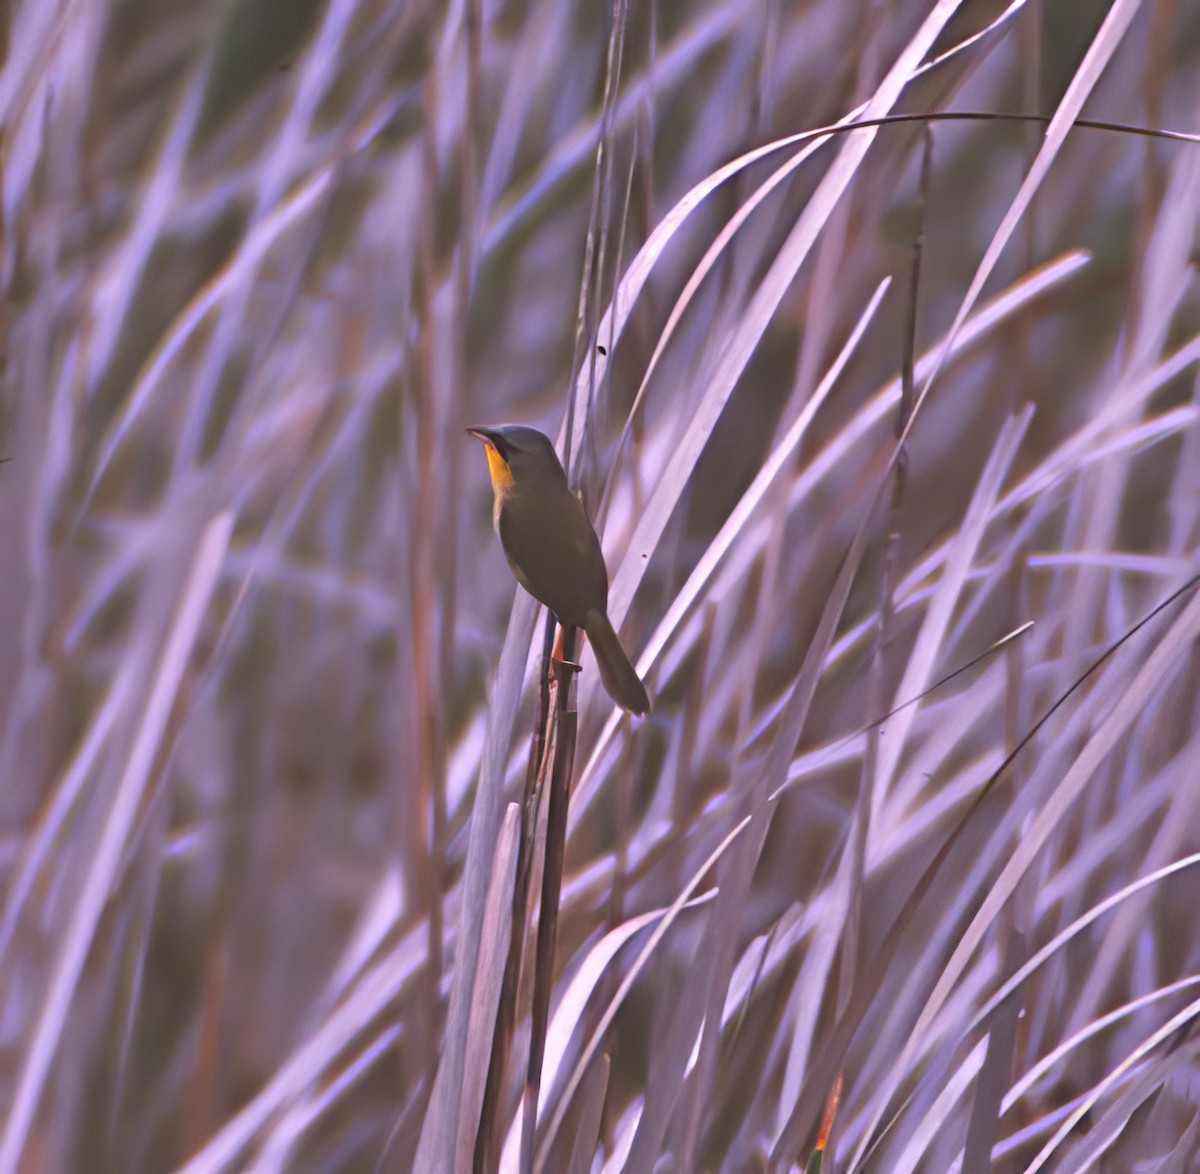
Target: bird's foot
<point x="561" y="663"/>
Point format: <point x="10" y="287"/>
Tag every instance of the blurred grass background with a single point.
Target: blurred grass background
<point x="266" y="260"/>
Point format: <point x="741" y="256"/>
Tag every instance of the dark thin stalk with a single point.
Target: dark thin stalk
<point x="910" y="327"/>
<point x="487" y="1141"/>
<point x="556" y="837"/>
<point x="596" y="242"/>
<point x="1128" y="128"/>
<point x="995" y="1074"/>
<point x="602" y="194"/>
<point x="426" y="712"/>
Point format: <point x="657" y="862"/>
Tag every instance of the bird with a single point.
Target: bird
<point x="553" y="550"/>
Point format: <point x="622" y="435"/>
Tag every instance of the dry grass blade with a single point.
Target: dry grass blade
<point x="588" y="1133"/>
<point x="989" y="318"/>
<point x="940" y="1111"/>
<point x="1127" y="704"/>
<point x="1182" y="1020"/>
<point x="488" y="981"/>
<point x="284" y="1138"/>
<point x="1101" y="49"/>
<point x="240" y="268"/>
<point x="1047" y="1063"/>
<point x="301" y="1071"/>
<point x="677" y="906"/>
<point x="959" y="560"/>
<point x="441" y="1122"/>
<point x="995" y="1072"/>
<point x="166" y="672"/>
<point x="761" y="308"/>
<point x="42" y="839"/>
<point x="1076" y="927"/>
<point x="569" y="1012"/>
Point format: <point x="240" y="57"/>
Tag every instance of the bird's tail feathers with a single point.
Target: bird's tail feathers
<point x="617" y="674"/>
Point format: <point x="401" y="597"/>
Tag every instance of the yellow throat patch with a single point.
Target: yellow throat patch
<point x="502" y="477"/>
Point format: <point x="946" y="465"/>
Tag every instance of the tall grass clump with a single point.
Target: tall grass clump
<point x="309" y="857"/>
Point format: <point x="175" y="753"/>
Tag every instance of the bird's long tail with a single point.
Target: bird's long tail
<point x="618" y="676"/>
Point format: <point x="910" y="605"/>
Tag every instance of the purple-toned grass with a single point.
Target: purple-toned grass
<point x="849" y="410"/>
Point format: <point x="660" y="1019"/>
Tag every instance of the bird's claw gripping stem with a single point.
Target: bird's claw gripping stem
<point x="560" y="662"/>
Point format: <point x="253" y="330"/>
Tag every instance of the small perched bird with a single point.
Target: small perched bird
<point x="553" y="550"/>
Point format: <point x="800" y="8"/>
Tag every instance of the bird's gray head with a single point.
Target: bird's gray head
<point x="516" y="453"/>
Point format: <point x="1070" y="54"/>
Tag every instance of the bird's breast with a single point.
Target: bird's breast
<point x="553" y="550"/>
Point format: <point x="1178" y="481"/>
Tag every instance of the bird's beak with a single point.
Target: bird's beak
<point x="498" y="469"/>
